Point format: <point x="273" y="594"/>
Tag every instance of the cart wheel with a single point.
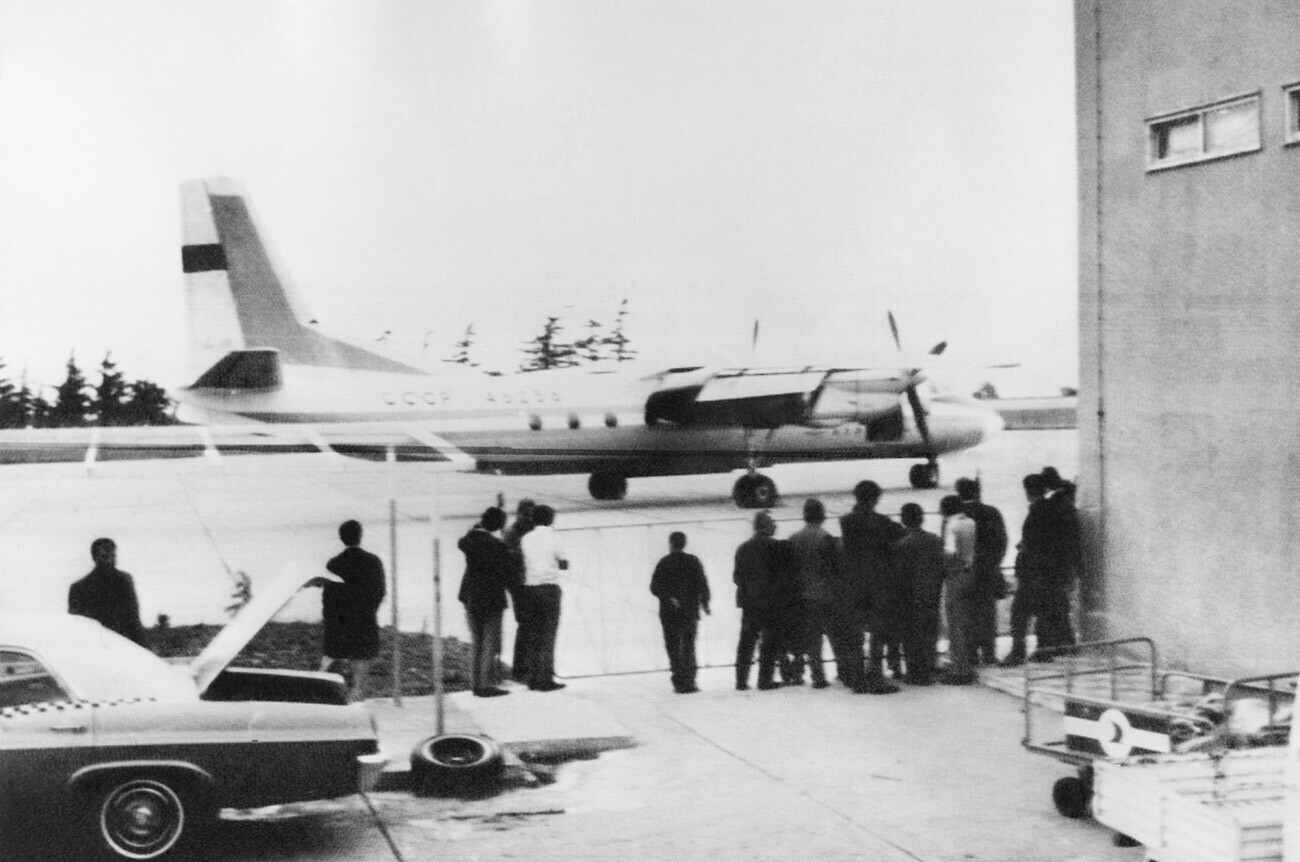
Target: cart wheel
<point x="1071" y="797"/>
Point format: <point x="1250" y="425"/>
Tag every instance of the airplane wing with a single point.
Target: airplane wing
<point x="772" y="397"/>
<point x="368" y="440"/>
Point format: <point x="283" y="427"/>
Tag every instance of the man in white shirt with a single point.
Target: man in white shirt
<point x="961" y="593"/>
<point x="544" y="563"/>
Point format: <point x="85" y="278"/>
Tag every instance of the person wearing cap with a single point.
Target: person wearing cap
<point x="919" y="555"/>
<point x="491" y="572"/>
<point x="766" y="592"/>
<point x="990" y="585"/>
<point x="680" y="585"/>
<point x="872" y="585"/>
<point x="816" y="557"/>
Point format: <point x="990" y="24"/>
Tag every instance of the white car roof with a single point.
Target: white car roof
<point x="92" y="662"/>
<point x="97" y="664"/>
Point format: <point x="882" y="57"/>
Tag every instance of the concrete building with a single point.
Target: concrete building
<point x="1189" y="208"/>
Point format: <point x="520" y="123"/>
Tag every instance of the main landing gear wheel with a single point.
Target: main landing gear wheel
<point x="607" y="486"/>
<point x="924" y="475"/>
<point x="754" y="491"/>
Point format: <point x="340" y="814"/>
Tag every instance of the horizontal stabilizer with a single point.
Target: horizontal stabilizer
<point x="243" y="369"/>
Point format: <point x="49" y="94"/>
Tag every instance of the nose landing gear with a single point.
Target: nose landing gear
<point x="754" y="491"/>
<point x="924" y="475"/>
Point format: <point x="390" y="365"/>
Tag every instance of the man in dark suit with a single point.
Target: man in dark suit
<point x="107" y="594"/>
<point x="990" y="586"/>
<point x="683" y="591"/>
<point x="873" y="589"/>
<point x="766" y="593"/>
<point x="491" y="572"/>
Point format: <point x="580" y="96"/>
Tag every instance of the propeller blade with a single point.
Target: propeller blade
<point x="939" y="348"/>
<point x="893" y="327"/>
<point x="918" y="411"/>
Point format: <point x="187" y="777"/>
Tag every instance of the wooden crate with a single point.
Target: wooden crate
<point x="1200" y="803"/>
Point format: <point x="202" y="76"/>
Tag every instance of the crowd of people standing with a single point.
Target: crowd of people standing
<point x="881" y="593"/>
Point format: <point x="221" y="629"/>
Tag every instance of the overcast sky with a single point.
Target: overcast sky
<point x="421" y="166"/>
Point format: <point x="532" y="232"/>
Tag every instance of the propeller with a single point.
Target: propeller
<point x="914" y="377"/>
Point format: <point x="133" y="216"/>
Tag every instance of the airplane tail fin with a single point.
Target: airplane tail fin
<point x="236" y="298"/>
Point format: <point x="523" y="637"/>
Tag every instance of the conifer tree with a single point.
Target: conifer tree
<point x="10" y="409"/>
<point x="547" y="351"/>
<point x="461" y="356"/>
<point x="147" y="403"/>
<point x="617" y="340"/>
<point x="72" y="403"/>
<point x="109" y="404"/>
<point x="590" y="348"/>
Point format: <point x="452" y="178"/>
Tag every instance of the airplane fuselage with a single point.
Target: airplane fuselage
<point x="573" y="421"/>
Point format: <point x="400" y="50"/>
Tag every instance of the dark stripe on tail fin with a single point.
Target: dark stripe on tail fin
<point x="203" y="258"/>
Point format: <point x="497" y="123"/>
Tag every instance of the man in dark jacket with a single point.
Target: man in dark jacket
<point x="872" y="585"/>
<point x="919" y="556"/>
<point x="491" y="571"/>
<point x="817" y="560"/>
<point x="350" y="611"/>
<point x="683" y="591"/>
<point x="990" y="548"/>
<point x="107" y="594"/>
<point x="766" y="593"/>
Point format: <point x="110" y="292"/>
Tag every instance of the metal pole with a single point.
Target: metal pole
<point x="392" y="565"/>
<point x="437" y="614"/>
<point x="437" y="633"/>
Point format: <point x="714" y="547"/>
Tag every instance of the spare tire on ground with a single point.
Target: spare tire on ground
<point x="456" y="764"/>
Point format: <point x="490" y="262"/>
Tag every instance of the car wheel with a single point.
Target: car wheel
<point x="1071" y="797"/>
<point x="452" y="763"/>
<point x="142" y="818"/>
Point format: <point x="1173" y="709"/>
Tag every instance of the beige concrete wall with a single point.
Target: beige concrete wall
<point x="1190" y="329"/>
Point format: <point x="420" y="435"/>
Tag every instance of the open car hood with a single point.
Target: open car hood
<point x="267" y="600"/>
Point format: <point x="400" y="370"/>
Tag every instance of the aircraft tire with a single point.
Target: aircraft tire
<point x="924" y="475"/>
<point x="607" y="486"/>
<point x="754" y="491"/>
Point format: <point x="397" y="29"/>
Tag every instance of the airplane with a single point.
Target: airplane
<point x="270" y="380"/>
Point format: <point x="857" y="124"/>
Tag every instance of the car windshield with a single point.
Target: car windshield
<point x="95" y="664"/>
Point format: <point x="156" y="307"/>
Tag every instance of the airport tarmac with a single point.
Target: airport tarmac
<point x="185" y="528"/>
<point x="932" y="774"/>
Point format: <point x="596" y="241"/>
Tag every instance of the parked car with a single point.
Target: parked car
<point x="143" y="752"/>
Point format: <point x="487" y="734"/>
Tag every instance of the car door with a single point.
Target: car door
<point x="45" y="735"/>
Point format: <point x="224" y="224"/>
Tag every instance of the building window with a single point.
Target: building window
<point x="1211" y="132"/>
<point x="1292" y="113"/>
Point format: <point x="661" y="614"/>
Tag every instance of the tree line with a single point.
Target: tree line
<point x="114" y="401"/>
<point x="550" y="349"/>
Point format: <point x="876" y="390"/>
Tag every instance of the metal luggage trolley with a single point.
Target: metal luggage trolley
<point x="1117" y="703"/>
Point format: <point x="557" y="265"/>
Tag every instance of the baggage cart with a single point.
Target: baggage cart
<point x="1221" y="804"/>
<point x="1109" y="700"/>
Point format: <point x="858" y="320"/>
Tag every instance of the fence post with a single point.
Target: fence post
<point x="392" y="565"/>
